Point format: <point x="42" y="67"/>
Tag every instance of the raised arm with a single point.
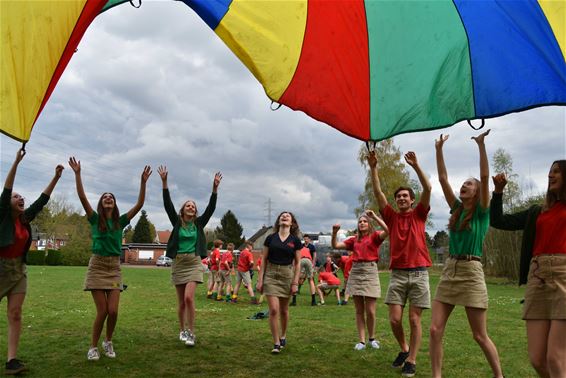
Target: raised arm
<point x="205" y="217"/>
<point x="336" y="244"/>
<point x="380" y="222"/>
<point x="11" y="176"/>
<point x="497" y="219"/>
<point x="76" y="167"/>
<point x="49" y="189"/>
<point x="442" y="174"/>
<point x="411" y="159"/>
<point x="377" y="192"/>
<point x="484" y="170"/>
<point x="141" y="197"/>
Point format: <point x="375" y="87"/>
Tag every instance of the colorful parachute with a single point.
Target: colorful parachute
<point x="371" y="69"/>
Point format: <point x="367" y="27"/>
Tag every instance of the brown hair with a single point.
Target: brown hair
<point x="217" y="243"/>
<point x="181" y="211"/>
<point x="102" y="220"/>
<point x="465" y="224"/>
<point x="401" y="188"/>
<point x="371" y="229"/>
<point x="294" y="225"/>
<point x="553" y="197"/>
<point x="230" y="246"/>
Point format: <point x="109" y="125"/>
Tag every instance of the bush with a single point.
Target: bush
<point x="36" y="257"/>
<point x="54" y="257"/>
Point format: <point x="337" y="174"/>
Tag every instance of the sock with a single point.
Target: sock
<point x="209" y="292"/>
<point x="313" y="298"/>
<point x="214" y="294"/>
<point x="295" y="298"/>
<point x="370" y="340"/>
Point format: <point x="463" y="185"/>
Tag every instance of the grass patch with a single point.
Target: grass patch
<point x="58" y="317"/>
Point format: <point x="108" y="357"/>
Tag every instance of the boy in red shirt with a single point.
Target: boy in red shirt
<point x="226" y="259"/>
<point x="213" y="262"/>
<point x="409" y="260"/>
<point x="307" y="273"/>
<point x="328" y="281"/>
<point x="245" y="264"/>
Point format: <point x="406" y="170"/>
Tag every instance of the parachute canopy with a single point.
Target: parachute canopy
<point x="371" y="69"/>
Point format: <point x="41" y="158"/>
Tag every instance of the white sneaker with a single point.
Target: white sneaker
<point x="183" y="335"/>
<point x="93" y="354"/>
<point x="191" y="339"/>
<point x="375" y="344"/>
<point x="108" y="349"/>
<point x="360" y="346"/>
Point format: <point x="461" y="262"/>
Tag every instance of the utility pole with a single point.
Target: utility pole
<point x="268" y="209"/>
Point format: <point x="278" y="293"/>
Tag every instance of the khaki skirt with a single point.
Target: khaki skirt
<point x="545" y="297"/>
<point x="13" y="277"/>
<point x="277" y="280"/>
<point x="103" y="273"/>
<point x="364" y="280"/>
<point x="187" y="267"/>
<point x="462" y="283"/>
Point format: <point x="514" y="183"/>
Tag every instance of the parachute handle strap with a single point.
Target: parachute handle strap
<point x="373" y="143"/>
<point x="479" y="127"/>
<point x="134" y="5"/>
<point x="275" y="108"/>
<point x="24" y="146"/>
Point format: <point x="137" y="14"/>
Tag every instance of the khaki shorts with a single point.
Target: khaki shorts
<point x="243" y="277"/>
<point x="408" y="285"/>
<point x="462" y="283"/>
<point x="364" y="280"/>
<point x="328" y="287"/>
<point x="277" y="280"/>
<point x="187" y="267"/>
<point x="545" y="297"/>
<point x="217" y="277"/>
<point x="13" y="277"/>
<point x="306" y="268"/>
<point x="225" y="276"/>
<point x="103" y="273"/>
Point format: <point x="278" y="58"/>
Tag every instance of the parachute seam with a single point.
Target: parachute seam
<point x="369" y="74"/>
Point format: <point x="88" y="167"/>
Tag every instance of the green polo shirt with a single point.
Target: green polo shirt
<point x="188" y="238"/>
<point x="470" y="240"/>
<point x="107" y="243"/>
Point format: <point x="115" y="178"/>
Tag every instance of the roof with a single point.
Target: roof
<point x="163" y="236"/>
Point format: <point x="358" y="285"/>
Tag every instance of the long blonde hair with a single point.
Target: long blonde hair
<point x="465" y="224"/>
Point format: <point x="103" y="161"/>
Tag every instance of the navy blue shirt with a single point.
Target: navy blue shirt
<point x="282" y="252"/>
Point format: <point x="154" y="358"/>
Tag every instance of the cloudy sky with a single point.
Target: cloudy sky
<point x="156" y="86"/>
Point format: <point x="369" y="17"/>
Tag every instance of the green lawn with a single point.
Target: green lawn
<point x="58" y="316"/>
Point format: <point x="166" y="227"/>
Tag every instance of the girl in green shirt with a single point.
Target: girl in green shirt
<point x="462" y="281"/>
<point x="104" y="278"/>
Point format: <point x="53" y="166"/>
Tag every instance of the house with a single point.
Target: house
<point x="162" y="237"/>
<point x="142" y="253"/>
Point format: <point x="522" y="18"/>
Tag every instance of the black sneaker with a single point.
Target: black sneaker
<point x="293" y="304"/>
<point x="276" y="349"/>
<point x="15" y="366"/>
<point x="408" y="369"/>
<point x="283" y="343"/>
<point x="400" y="360"/>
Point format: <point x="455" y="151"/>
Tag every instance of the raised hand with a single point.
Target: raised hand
<point x="372" y="159"/>
<point x="20" y="155"/>
<point x="370" y="213"/>
<point x="59" y="170"/>
<point x="335" y="228"/>
<point x="439" y="143"/>
<point x="162" y="170"/>
<point x="75" y="164"/>
<point x="479" y="139"/>
<point x="146" y="173"/>
<point x="411" y="158"/>
<point x="217" y="179"/>
<point x="499" y="181"/>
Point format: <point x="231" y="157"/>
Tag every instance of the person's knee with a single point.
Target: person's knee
<point x="415" y="320"/>
<point x="273" y="312"/>
<point x="15" y="314"/>
<point x="555" y="361"/>
<point x="436" y="332"/>
<point x="480" y="337"/>
<point x="395" y="321"/>
<point x="538" y="361"/>
<point x="189" y="301"/>
<point x="112" y="312"/>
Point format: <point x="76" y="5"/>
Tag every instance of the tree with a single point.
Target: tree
<point x="129" y="233"/>
<point x="142" y="230"/>
<point x="502" y="162"/>
<point x="392" y="174"/>
<point x="230" y="230"/>
<point x="78" y="249"/>
<point x="440" y="239"/>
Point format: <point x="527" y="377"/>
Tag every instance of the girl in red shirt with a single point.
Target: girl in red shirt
<point x="363" y="282"/>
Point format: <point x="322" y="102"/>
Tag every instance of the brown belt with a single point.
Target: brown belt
<point x="465" y="257"/>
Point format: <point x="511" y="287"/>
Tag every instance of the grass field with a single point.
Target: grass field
<point x="58" y="317"/>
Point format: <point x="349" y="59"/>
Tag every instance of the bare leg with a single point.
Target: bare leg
<point x="320" y="294"/>
<point x="14" y="313"/>
<point x="251" y="290"/>
<point x="416" y="333"/>
<point x="338" y="295"/>
<point x="556" y="354"/>
<point x="112" y="301"/>
<point x="237" y="288"/>
<point x="440" y="313"/>
<point x="273" y="304"/>
<point x="396" y="322"/>
<point x="284" y="316"/>
<point x="360" y="317"/>
<point x="189" y="299"/>
<point x="477" y="317"/>
<point x="100" y="301"/>
<point x="312" y="286"/>
<point x="370" y="316"/>
<point x="181" y="312"/>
